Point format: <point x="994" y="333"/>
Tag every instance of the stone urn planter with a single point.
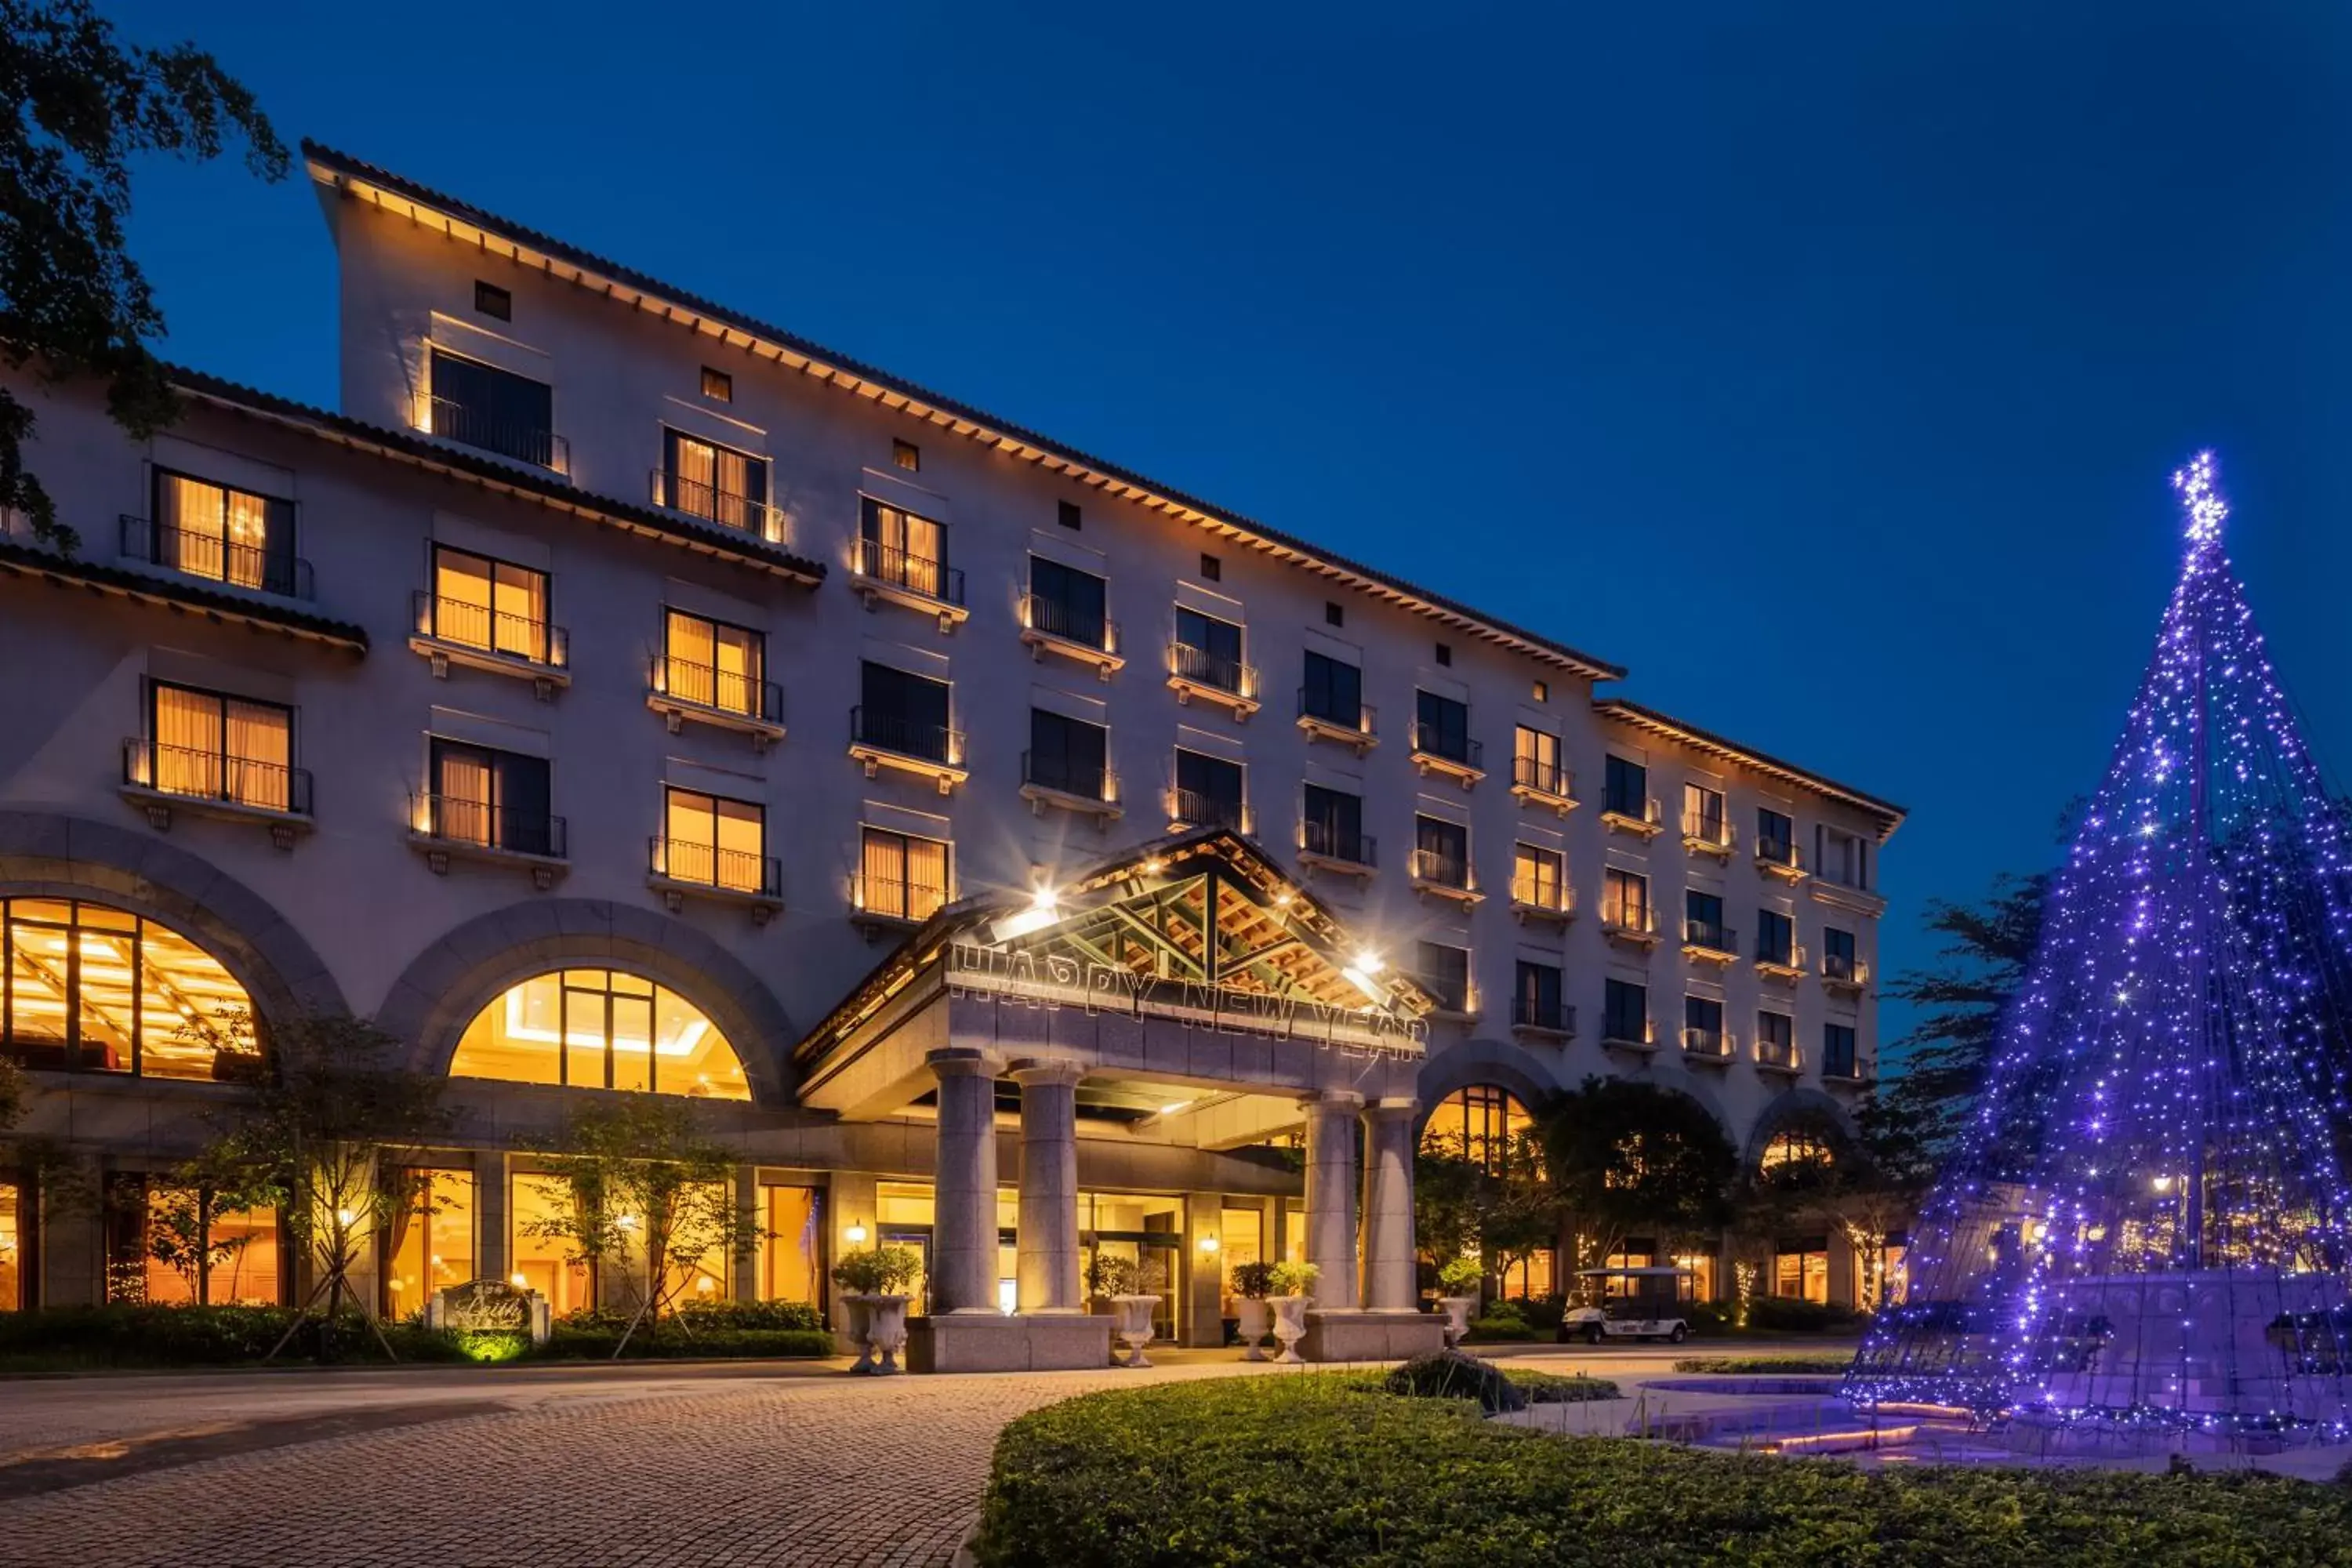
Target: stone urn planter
<point x="1254" y="1320"/>
<point x="1132" y="1322"/>
<point x="878" y="1324"/>
<point x="1458" y="1310"/>
<point x="1290" y="1325"/>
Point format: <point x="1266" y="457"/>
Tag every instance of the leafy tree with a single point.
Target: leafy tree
<point x="1944" y="1059"/>
<point x="1628" y="1157"/>
<point x="1492" y="1202"/>
<point x="14" y="1094"/>
<point x="72" y="301"/>
<point x="1863" y="1183"/>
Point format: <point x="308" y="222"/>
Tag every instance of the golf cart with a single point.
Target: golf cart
<point x="1636" y="1304"/>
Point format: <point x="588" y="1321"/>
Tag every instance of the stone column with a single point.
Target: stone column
<point x="1331" y="1195"/>
<point x="1389" y="1278"/>
<point x="745" y="1268"/>
<point x="492" y="1258"/>
<point x="963" y="1198"/>
<point x="1049" y="1187"/>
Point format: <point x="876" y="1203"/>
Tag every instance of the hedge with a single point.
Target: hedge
<point x="1786" y="1314"/>
<point x="1310" y="1470"/>
<point x="1814" y="1361"/>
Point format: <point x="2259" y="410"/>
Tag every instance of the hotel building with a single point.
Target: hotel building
<point x="1017" y="858"/>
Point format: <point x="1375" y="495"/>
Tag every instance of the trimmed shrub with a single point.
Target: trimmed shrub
<point x="581" y="1337"/>
<point x="1819" y="1361"/>
<point x="702" y="1315"/>
<point x="1706" y="1317"/>
<point x="1783" y="1314"/>
<point x="1450" y="1375"/>
<point x="1543" y="1313"/>
<point x="1502" y="1321"/>
<point x="1552" y="1388"/>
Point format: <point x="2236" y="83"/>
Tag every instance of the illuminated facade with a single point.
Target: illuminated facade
<point x="606" y="692"/>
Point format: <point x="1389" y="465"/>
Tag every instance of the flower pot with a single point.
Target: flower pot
<point x="1132" y="1324"/>
<point x="879" y="1323"/>
<point x="1457" y="1309"/>
<point x="1255" y="1319"/>
<point x="1289" y="1325"/>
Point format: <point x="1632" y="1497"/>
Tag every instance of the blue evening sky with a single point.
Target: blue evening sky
<point x="1822" y="364"/>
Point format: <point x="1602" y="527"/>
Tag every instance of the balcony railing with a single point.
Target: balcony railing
<point x="1712" y="935"/>
<point x="210" y="775"/>
<point x="1844" y="969"/>
<point x="708" y="866"/>
<point x="1201" y="667"/>
<point x="1712" y="1043"/>
<point x="1537" y="776"/>
<point x="1552" y="895"/>
<point x="1704" y="831"/>
<point x="1549" y="1015"/>
<point x="907" y="737"/>
<point x="1195" y="808"/>
<point x="701" y="499"/>
<point x="525" y="443"/>
<point x="1777" y="854"/>
<point x="209" y="556"/>
<point x="469" y="625"/>
<point x="1629" y="921"/>
<point x="896" y="898"/>
<point x="915" y="574"/>
<point x="1432" y="740"/>
<point x="1086" y="781"/>
<point x="1359" y="719"/>
<point x="456" y="819"/>
<point x="1782" y="1054"/>
<point x="1335" y="843"/>
<point x="1048" y="616"/>
<point x="1844" y="1066"/>
<point x="1636" y="1032"/>
<point x="1779" y="955"/>
<point x="1441" y="867"/>
<point x="720" y="690"/>
<point x="1643" y="814"/>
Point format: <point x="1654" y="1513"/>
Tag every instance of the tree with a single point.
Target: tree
<point x="1628" y="1157"/>
<point x="72" y="301"/>
<point x="1492" y="1201"/>
<point x="1946" y="1054"/>
<point x="1863" y="1182"/>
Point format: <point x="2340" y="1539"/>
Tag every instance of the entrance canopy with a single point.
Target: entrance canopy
<point x="1192" y="961"/>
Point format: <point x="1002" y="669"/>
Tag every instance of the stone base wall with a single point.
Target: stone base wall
<point x="1371" y="1336"/>
<point x="989" y="1342"/>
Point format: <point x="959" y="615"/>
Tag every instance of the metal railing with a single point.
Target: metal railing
<point x="1048" y="616"/>
<point x="1542" y="777"/>
<point x="1334" y="843"/>
<point x="720" y="690"/>
<point x="1640" y="921"/>
<point x="1628" y="1032"/>
<point x="1361" y="722"/>
<point x="1778" y="852"/>
<point x="1201" y="667"/>
<point x="1708" y="829"/>
<point x="701" y="499"/>
<point x="1645" y="810"/>
<point x="907" y="737"/>
<point x="1844" y="968"/>
<point x="525" y="443"/>
<point x="896" y="898"/>
<point x="1784" y="955"/>
<point x="1712" y="935"/>
<point x="202" y="774"/>
<point x="1195" y="808"/>
<point x="216" y="559"/>
<point x="469" y="625"/>
<point x="916" y="573"/>
<point x="1444" y="869"/>
<point x="1432" y="740"/>
<point x="1705" y="1043"/>
<point x="1088" y="780"/>
<point x="1775" y="1053"/>
<point x="1536" y="1012"/>
<point x="1845" y="1064"/>
<point x="1526" y="890"/>
<point x="460" y="820"/>
<point x="731" y="870"/>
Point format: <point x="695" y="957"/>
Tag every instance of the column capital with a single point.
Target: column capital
<point x="964" y="1061"/>
<point x="1047" y="1072"/>
<point x="1339" y="1099"/>
<point x="1391" y="1109"/>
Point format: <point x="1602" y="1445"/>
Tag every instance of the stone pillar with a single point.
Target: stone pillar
<point x="492" y="1258"/>
<point x="1390" y="1283"/>
<point x="1331" y="1195"/>
<point x="964" y="1218"/>
<point x="744" y="1268"/>
<point x="1049" y="1187"/>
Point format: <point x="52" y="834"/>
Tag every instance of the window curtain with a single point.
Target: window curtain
<point x="692" y="660"/>
<point x="187" y="743"/>
<point x="519" y="604"/>
<point x="885" y="873"/>
<point x="927" y="877"/>
<point x="463" y="781"/>
<point x="260" y="754"/>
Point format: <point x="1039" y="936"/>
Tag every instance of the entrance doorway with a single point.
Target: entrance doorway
<point x="1147" y="1230"/>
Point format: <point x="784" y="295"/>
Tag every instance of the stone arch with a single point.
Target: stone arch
<point x="1785" y="1108"/>
<point x="1482" y="1061"/>
<point x="51" y="855"/>
<point x="442" y="989"/>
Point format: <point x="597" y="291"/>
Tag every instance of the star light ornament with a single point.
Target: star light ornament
<point x="2143" y="1237"/>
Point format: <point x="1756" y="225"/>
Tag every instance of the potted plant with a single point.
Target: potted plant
<point x="1252" y="1284"/>
<point x="873" y="1280"/>
<point x="1131" y="1291"/>
<point x="1289" y="1286"/>
<point x="1458" y="1280"/>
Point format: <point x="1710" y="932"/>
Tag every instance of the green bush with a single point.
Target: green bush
<point x="583" y="1338"/>
<point x="1503" y="1321"/>
<point x="1812" y="1361"/>
<point x="1706" y="1317"/>
<point x="699" y="1315"/>
<point x="1543" y="1313"/>
<point x="1783" y="1314"/>
<point x="1312" y="1473"/>
<point x="1553" y="1388"/>
<point x="132" y="1334"/>
<point x="1450" y="1375"/>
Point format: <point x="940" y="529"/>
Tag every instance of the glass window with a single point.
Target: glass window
<point x="1625" y="1011"/>
<point x="1067" y="754"/>
<point x="228" y="535"/>
<point x="708" y="480"/>
<point x="171" y="1244"/>
<point x="898" y="547"/>
<point x="600" y="1029"/>
<point x="1538" y="877"/>
<point x="901" y="712"/>
<point x="1703" y="920"/>
<point x="791" y="1255"/>
<point x="545" y="1263"/>
<point x="1838" y="1050"/>
<point x="1444" y="971"/>
<point x="1478" y="1122"/>
<point x="1800" y="1270"/>
<point x="1625" y="788"/>
<point x="714" y="664"/>
<point x="1776" y="937"/>
<point x="496" y="410"/>
<point x="83" y="986"/>
<point x="212" y="747"/>
<point x="718" y="386"/>
<point x="1625" y="899"/>
<point x="1776" y="1038"/>
<point x="1838" y="955"/>
<point x="1067" y="603"/>
<point x="1703" y="1024"/>
<point x="1538" y="1002"/>
<point x="1208" y="790"/>
<point x="1208" y="650"/>
<point x="1440" y="851"/>
<point x="430" y="1244"/>
<point x="13" y="1214"/>
<point x="1535" y="761"/>
<point x="1334" y="692"/>
<point x="1703" y="813"/>
<point x="1331" y="822"/>
<point x="1442" y="726"/>
<point x="1776" y="835"/>
<point x="1240" y="1238"/>
<point x="718" y="842"/>
<point x="495" y="799"/>
<point x="902" y="876"/>
<point x="494" y="605"/>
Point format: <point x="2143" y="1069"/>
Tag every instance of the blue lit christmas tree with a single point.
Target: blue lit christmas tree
<point x="2145" y="1232"/>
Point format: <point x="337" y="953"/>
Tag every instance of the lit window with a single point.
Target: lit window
<point x="715" y="665"/>
<point x="910" y="552"/>
<point x="102" y="991"/>
<point x="13" y="1212"/>
<point x="430" y="1241"/>
<point x="211" y="747"/>
<point x="480" y="603"/>
<point x="1541" y="691"/>
<point x="600" y="1029"/>
<point x="1800" y="1270"/>
<point x="174" y="1245"/>
<point x="718" y="386"/>
<point x="902" y="876"/>
<point x="1538" y="877"/>
<point x="792" y="1251"/>
<point x="227" y="535"/>
<point x="718" y="842"/>
<point x="907" y="454"/>
<point x="705" y="479"/>
<point x="1478" y="1123"/>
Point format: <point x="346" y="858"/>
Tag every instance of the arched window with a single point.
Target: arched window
<point x="1478" y="1122"/>
<point x="600" y="1029"/>
<point x="1792" y="1148"/>
<point x="92" y="989"/>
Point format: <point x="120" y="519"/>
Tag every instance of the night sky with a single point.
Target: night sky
<point x="1823" y="364"/>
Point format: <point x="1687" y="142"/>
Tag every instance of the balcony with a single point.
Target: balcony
<point x="1322" y="722"/>
<point x="525" y="443"/>
<point x="1845" y="1074"/>
<point x="1466" y="1008"/>
<point x="1636" y="1034"/>
<point x="884" y="905"/>
<point x="707" y="502"/>
<point x="1708" y="835"/>
<point x="1192" y="808"/>
<point x="1843" y="972"/>
<point x="1540" y="782"/>
<point x="215" y="559"/>
<point x="1083" y="789"/>
<point x="1458" y="756"/>
<point x="681" y="689"/>
<point x="1532" y="1015"/>
<point x="1712" y="1047"/>
<point x="889" y="741"/>
<point x="1437" y="874"/>
<point x="1630" y="928"/>
<point x="1786" y="964"/>
<point x="682" y="868"/>
<point x="1779" y="857"/>
<point x="444" y="827"/>
<point x="880" y="573"/>
<point x="1778" y="1056"/>
<point x="160" y="780"/>
<point x="1048" y="625"/>
<point x="1212" y="677"/>
<point x="1710" y="941"/>
<point x="1535" y="900"/>
<point x="1644" y="819"/>
<point x="457" y="631"/>
<point x="1348" y="852"/>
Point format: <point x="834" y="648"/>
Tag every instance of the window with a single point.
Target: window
<point x="1541" y="690"/>
<point x="1800" y="1270"/>
<point x="1066" y="513"/>
<point x="1837" y="954"/>
<point x="1208" y="790"/>
<point x="1775" y="1039"/>
<point x="600" y="1029"/>
<point x="226" y="534"/>
<point x="1333" y="616"/>
<point x="1067" y="603"/>
<point x="1440" y="851"/>
<point x="1625" y="1011"/>
<point x="211" y="747"/>
<point x="542" y="1258"/>
<point x="1843" y="858"/>
<point x="718" y="386"/>
<point x="718" y="842"/>
<point x="907" y="454"/>
<point x="1703" y="1025"/>
<point x="1208" y="650"/>
<point x="1538" y="877"/>
<point x="1441" y="727"/>
<point x="494" y="605"/>
<point x="1535" y="761"/>
<point x="1838" y="1057"/>
<point x="176" y="1243"/>
<point x="907" y="551"/>
<point x="1334" y="692"/>
<point x="479" y="405"/>
<point x="1625" y="901"/>
<point x="903" y="712"/>
<point x="492" y="301"/>
<point x="498" y="800"/>
<point x="1212" y="569"/>
<point x="718" y="483"/>
<point x="1625" y="789"/>
<point x="1703" y="921"/>
<point x="1703" y="815"/>
<point x="791" y="1252"/>
<point x="1067" y="754"/>
<point x="1445" y="653"/>
<point x="1444" y="972"/>
<point x="1795" y="1146"/>
<point x="902" y="876"/>
<point x="429" y="1241"/>
<point x="1537" y="1004"/>
<point x="1775" y="837"/>
<point x="1331" y="823"/>
<point x="89" y="988"/>
<point x="715" y="665"/>
<point x="1776" y="938"/>
<point x="15" y="1253"/>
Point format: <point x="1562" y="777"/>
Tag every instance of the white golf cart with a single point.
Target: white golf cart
<point x="1636" y="1304"/>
